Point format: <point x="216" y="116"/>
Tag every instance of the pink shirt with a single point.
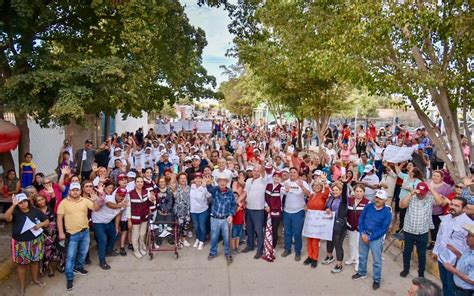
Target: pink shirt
<point x="57" y="194"/>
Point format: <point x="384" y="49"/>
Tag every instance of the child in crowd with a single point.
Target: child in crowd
<point x="237" y="224"/>
<point x="27" y="170"/>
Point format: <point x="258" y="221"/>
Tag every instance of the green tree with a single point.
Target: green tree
<point x="61" y="60"/>
<point x="421" y="50"/>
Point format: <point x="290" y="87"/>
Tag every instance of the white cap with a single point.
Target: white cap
<point x="21" y="197"/>
<point x="285" y="170"/>
<point x="75" y="186"/>
<point x="148" y="148"/>
<point x="131" y="175"/>
<point x="368" y="168"/>
<point x="188" y="158"/>
<point x="196" y="157"/>
<point x="118" y="149"/>
<point x="249" y="168"/>
<point x="317" y="173"/>
<point x="382" y="194"/>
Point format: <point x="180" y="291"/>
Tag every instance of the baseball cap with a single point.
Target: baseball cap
<point x="118" y="149"/>
<point x="285" y="170"/>
<point x="423" y="188"/>
<point x="198" y="175"/>
<point x="88" y="141"/>
<point x="121" y="177"/>
<point x="277" y="173"/>
<point x="317" y="173"/>
<point x="121" y="191"/>
<point x="21" y="197"/>
<point x="382" y="194"/>
<point x="148" y="148"/>
<point x="368" y="168"/>
<point x="188" y="158"/>
<point x="249" y="168"/>
<point x="131" y="175"/>
<point x="75" y="186"/>
<point x="196" y="157"/>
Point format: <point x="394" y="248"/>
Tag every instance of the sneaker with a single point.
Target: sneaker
<point x="143" y="250"/>
<point x="246" y="250"/>
<point x="358" y="276"/>
<point x="138" y="255"/>
<point x="404" y="273"/>
<point x="328" y="260"/>
<point x="200" y="246"/>
<point x="196" y="244"/>
<point x="70" y="285"/>
<point x="210" y="257"/>
<point x="88" y="261"/>
<point x="421" y="274"/>
<point x="186" y="243"/>
<point x="350" y="262"/>
<point x="430" y="247"/>
<point x="123" y="252"/>
<point x="314" y="264"/>
<point x="257" y="256"/>
<point x="156" y="246"/>
<point x="337" y="269"/>
<point x="286" y="253"/>
<point x="230" y="260"/>
<point x="297" y="258"/>
<point x="130" y="247"/>
<point x="80" y="271"/>
<point x="104" y="266"/>
<point x="375" y="285"/>
<point x="307" y="261"/>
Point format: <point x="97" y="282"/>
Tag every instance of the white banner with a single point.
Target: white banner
<point x="162" y="128"/>
<point x="204" y="127"/>
<point x="177" y="126"/>
<point x="317" y="224"/>
<point x="397" y="154"/>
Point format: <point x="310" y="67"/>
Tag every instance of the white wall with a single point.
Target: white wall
<point x="131" y="124"/>
<point x="44" y="145"/>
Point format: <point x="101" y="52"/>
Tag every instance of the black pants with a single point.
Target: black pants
<point x="85" y="175"/>
<point x="437" y="165"/>
<point x="337" y="242"/>
<point x="462" y="292"/>
<point x="421" y="242"/>
<point x="434" y="232"/>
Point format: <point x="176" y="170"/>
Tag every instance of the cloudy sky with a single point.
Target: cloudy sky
<point x="214" y="22"/>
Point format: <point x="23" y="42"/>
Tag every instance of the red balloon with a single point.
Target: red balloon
<point x="9" y="136"/>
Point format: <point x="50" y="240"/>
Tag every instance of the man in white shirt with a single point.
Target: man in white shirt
<point x="254" y="215"/>
<point x="371" y="182"/>
<point x="451" y="234"/>
<point x="222" y="169"/>
<point x="293" y="212"/>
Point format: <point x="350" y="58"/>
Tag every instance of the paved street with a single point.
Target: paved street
<point x="192" y="274"/>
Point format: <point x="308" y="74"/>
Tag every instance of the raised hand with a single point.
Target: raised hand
<point x="14" y="200"/>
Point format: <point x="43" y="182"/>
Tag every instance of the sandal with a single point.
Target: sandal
<point x="51" y="274"/>
<point x="39" y="283"/>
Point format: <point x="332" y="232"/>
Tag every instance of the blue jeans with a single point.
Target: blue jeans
<point x="254" y="222"/>
<point x="219" y="226"/>
<point x="78" y="245"/>
<point x="199" y="224"/>
<point x="375" y="248"/>
<point x="106" y="236"/>
<point x="293" y="224"/>
<point x="447" y="279"/>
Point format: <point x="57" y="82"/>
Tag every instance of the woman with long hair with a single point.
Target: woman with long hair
<point x="444" y="190"/>
<point x="410" y="180"/>
<point x="337" y="205"/>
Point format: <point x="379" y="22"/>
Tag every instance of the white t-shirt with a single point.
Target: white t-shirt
<point x="198" y="198"/>
<point x="255" y="190"/>
<point x="105" y="214"/>
<point x="371" y="180"/>
<point x="295" y="197"/>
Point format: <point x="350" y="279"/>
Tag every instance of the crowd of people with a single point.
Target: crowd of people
<point x="251" y="187"/>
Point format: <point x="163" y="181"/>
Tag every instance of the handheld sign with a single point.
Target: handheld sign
<point x="318" y="224"/>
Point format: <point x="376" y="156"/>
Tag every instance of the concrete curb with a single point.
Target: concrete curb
<point x="6" y="268"/>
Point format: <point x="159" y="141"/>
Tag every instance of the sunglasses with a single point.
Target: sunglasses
<point x="459" y="186"/>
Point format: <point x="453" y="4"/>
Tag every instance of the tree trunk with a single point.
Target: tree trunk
<point x="24" y="144"/>
<point x="106" y="126"/>
<point x="300" y="132"/>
